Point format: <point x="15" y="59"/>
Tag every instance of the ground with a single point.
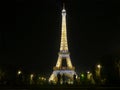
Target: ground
<point x="62" y="87"/>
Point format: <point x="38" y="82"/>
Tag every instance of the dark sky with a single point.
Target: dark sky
<point x="93" y="33"/>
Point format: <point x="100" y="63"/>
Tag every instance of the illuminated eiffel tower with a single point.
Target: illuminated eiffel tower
<point x="63" y="65"/>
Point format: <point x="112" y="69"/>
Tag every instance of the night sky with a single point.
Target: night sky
<point x="33" y="39"/>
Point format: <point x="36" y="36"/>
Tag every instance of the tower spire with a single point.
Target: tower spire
<point x="64" y="44"/>
<point x="63" y="5"/>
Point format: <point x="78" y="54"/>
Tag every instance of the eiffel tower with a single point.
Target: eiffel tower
<point x="63" y="65"/>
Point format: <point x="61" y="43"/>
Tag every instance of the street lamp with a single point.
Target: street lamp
<point x="31" y="77"/>
<point x="99" y="69"/>
<point x="89" y="74"/>
<point x="90" y="77"/>
<point x="98" y="73"/>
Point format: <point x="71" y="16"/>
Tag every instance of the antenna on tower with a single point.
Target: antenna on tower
<point x="63" y="5"/>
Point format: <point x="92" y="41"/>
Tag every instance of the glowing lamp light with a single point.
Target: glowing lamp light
<point x="31" y="76"/>
<point x="82" y="75"/>
<point x="88" y="72"/>
<point x="19" y="72"/>
<point x="99" y="66"/>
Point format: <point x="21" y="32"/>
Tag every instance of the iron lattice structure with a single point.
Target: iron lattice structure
<point x="68" y="70"/>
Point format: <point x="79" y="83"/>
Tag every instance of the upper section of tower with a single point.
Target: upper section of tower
<point x="63" y="10"/>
